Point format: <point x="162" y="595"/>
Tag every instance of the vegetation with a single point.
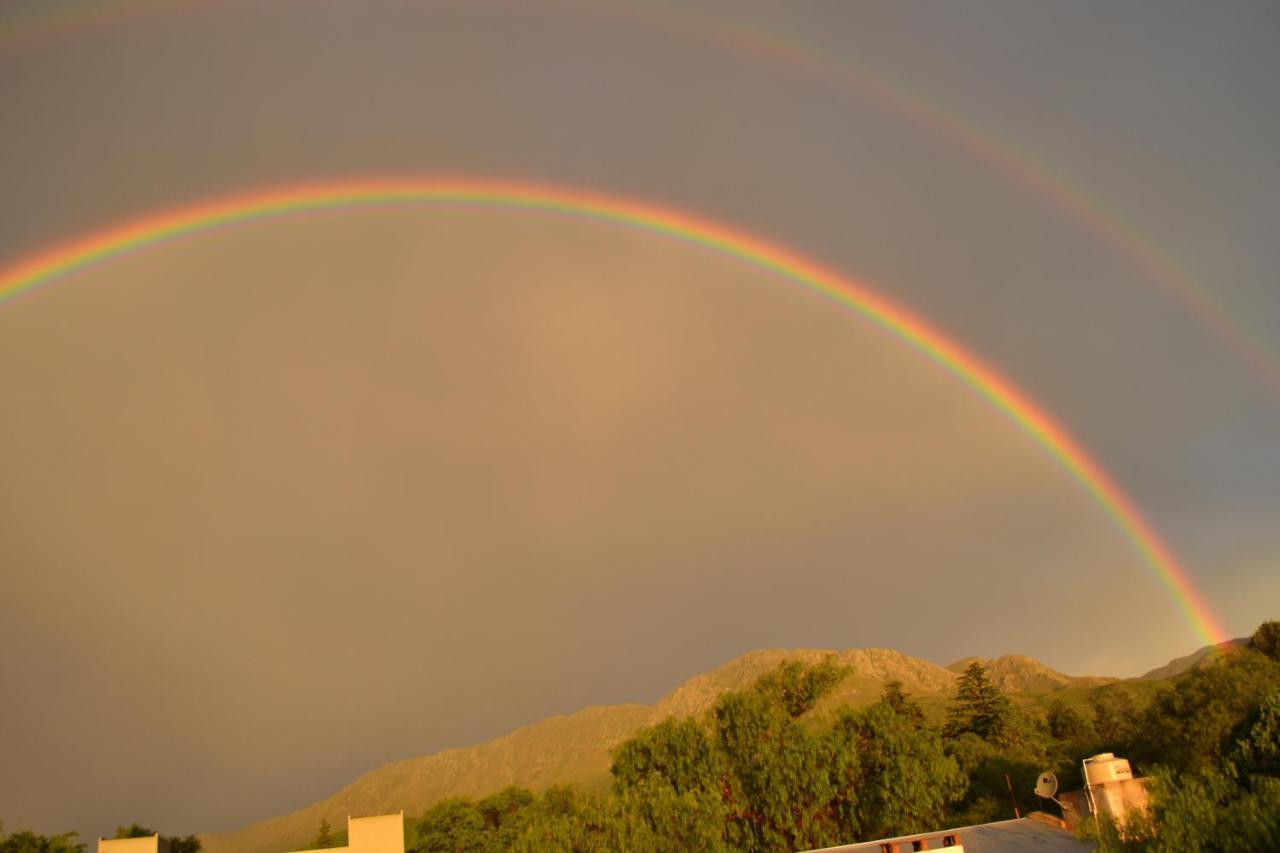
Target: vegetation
<point x="764" y="770"/>
<point x="1212" y="738"/>
<point x="324" y="837"/>
<point x="789" y="762"/>
<point x="29" y="842"/>
<point x="177" y="844"/>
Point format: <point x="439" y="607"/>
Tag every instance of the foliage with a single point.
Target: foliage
<point x="763" y="771"/>
<point x="1218" y="730"/>
<point x="177" y="844"/>
<point x="30" y="842"/>
<point x="980" y="706"/>
<point x="324" y="836"/>
<point x="1193" y="723"/>
<point x="1266" y="640"/>
<point x="1117" y="718"/>
<point x="905" y="780"/>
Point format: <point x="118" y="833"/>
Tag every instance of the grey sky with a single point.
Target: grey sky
<point x="482" y="466"/>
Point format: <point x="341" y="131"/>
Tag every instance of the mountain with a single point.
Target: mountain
<point x="1021" y="674"/>
<point x="1195" y="660"/>
<point x="576" y="748"/>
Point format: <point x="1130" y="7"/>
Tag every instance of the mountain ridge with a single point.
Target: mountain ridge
<point x="575" y="748"/>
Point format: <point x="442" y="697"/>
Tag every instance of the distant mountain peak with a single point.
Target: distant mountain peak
<point x="1200" y="657"/>
<point x="576" y="748"/>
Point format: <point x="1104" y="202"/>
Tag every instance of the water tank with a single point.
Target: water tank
<point x="1105" y="767"/>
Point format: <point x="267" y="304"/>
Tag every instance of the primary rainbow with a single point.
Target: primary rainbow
<point x="62" y="260"/>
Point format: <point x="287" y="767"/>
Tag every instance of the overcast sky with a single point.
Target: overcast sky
<point x="286" y="501"/>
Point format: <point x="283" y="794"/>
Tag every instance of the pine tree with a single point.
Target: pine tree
<point x="324" y="836"/>
<point x="980" y="706"/>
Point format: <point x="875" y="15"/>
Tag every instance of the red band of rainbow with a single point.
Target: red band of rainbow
<point x="64" y="259"/>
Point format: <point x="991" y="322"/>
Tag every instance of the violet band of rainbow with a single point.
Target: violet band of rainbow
<point x="62" y="260"/>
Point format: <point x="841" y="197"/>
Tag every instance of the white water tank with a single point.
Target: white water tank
<point x="1105" y="767"/>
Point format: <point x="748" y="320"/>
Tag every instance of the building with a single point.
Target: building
<point x="377" y="834"/>
<point x="1110" y="789"/>
<point x="1039" y="832"/>
<point x="143" y="844"/>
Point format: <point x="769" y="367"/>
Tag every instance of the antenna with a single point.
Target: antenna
<point x="1047" y="786"/>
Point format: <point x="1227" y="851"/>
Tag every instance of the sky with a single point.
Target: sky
<point x="283" y="501"/>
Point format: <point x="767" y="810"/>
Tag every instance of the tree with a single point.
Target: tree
<point x="676" y="753"/>
<point x="1067" y="724"/>
<point x="1193" y="723"/>
<point x="900" y="703"/>
<point x="1266" y="640"/>
<point x="453" y="825"/>
<point x="904" y="779"/>
<point x="177" y="844"/>
<point x="324" y="836"/>
<point x="980" y="706"/>
<point x="30" y="842"/>
<point x="1116" y="718"/>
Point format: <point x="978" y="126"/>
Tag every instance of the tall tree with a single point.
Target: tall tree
<point x="980" y="706"/>
<point x="324" y="836"/>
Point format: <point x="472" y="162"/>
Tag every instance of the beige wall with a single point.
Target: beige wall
<point x="145" y="844"/>
<point x="377" y="834"/>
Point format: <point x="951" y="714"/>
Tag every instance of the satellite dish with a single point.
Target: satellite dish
<point x="1047" y="785"/>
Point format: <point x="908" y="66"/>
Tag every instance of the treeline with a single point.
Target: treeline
<point x="69" y="842"/>
<point x="772" y="767"/>
<point x="766" y="769"/>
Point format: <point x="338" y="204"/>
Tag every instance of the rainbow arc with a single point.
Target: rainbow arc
<point x="62" y="261"/>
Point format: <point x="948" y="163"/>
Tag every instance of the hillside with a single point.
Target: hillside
<point x="1195" y="660"/>
<point x="575" y="748"/>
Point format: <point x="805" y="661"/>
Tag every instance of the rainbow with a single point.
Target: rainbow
<point x="79" y="254"/>
<point x="757" y="43"/>
<point x="1156" y="264"/>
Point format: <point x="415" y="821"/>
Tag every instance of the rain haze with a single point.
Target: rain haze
<point x="287" y="499"/>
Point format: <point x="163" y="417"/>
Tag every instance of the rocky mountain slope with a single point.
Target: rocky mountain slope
<point x="576" y="748"/>
<point x="1195" y="660"/>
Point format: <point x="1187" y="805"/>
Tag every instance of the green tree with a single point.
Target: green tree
<point x="177" y="844"/>
<point x="1266" y="640"/>
<point x="904" y="780"/>
<point x="30" y="842"/>
<point x="1068" y="724"/>
<point x="1258" y="751"/>
<point x="453" y="825"/>
<point x="1117" y="718"/>
<point x="324" y="836"/>
<point x="1192" y="724"/>
<point x="676" y="752"/>
<point x="900" y="703"/>
<point x="980" y="707"/>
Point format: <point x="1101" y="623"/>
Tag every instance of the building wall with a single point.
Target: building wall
<point x="1118" y="799"/>
<point x="145" y="844"/>
<point x="377" y="834"/>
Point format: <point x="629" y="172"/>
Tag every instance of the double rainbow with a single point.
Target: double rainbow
<point x="65" y="259"/>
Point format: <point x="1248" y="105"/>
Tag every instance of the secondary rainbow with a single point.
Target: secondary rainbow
<point x="65" y="259"/>
<point x="1157" y="264"/>
<point x="760" y="43"/>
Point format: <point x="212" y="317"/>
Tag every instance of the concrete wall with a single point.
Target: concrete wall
<point x="377" y="834"/>
<point x="380" y="834"/>
<point x="145" y="844"/>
